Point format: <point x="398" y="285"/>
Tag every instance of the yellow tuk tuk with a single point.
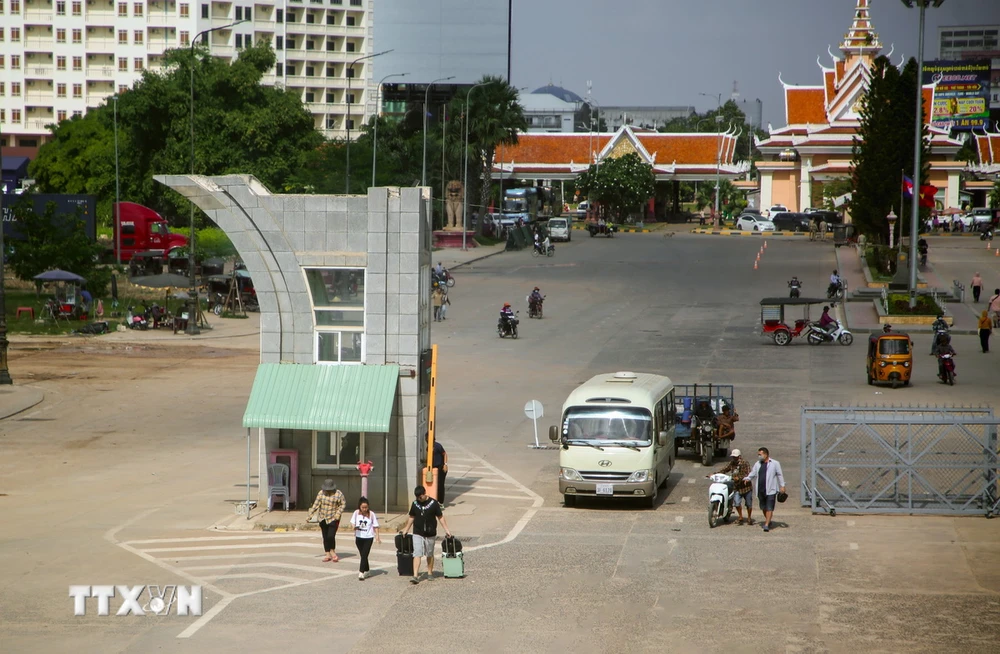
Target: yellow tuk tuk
<point x="890" y="359"/>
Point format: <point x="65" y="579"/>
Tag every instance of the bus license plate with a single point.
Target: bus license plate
<point x="605" y="489"/>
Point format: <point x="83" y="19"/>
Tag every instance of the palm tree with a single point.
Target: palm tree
<point x="495" y="117"/>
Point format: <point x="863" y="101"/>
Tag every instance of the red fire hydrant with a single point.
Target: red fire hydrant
<point x="365" y="469"/>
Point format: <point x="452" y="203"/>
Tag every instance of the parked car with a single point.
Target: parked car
<point x="981" y="215"/>
<point x="582" y="208"/>
<point x="775" y="208"/>
<point x="560" y="229"/>
<point x="749" y="222"/>
<point x="788" y="221"/>
<point x="825" y="215"/>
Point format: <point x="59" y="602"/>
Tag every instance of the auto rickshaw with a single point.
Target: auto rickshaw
<point x="890" y="359"/>
<point x="772" y="318"/>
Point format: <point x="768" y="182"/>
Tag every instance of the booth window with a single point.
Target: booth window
<point x="338" y="300"/>
<point x="338" y="449"/>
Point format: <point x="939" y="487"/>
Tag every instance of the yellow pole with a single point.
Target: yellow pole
<point x="429" y="477"/>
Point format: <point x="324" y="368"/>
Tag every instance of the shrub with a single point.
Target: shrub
<point x="899" y="304"/>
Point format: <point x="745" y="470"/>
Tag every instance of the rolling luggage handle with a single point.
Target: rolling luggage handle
<point x="451" y="546"/>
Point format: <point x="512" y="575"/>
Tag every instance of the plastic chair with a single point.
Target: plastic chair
<point x="277" y="484"/>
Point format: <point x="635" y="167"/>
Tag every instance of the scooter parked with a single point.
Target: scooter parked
<point x="819" y="335"/>
<point x="136" y="320"/>
<point x="720" y="498"/>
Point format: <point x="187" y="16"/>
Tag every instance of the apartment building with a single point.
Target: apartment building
<point x="970" y="42"/>
<point x="58" y="58"/>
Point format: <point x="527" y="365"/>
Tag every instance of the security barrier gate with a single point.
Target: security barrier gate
<point x="933" y="460"/>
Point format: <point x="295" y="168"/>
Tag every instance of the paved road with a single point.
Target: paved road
<point x="541" y="577"/>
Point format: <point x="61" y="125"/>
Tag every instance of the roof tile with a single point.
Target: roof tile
<point x="805" y="106"/>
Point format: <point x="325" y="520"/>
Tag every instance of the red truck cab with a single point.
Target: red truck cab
<point x="143" y="230"/>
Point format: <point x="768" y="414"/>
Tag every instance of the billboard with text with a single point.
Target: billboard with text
<point x="961" y="94"/>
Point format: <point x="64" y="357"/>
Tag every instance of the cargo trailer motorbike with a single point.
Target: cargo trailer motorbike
<point x="697" y="408"/>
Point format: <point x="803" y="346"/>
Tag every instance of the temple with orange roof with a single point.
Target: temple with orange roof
<point x="822" y="121"/>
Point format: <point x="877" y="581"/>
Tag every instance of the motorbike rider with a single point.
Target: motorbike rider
<point x="739" y="468"/>
<point x="826" y="321"/>
<point x="795" y="285"/>
<point x="535" y="299"/>
<point x="940" y="328"/>
<point x="886" y="328"/>
<point x="835" y="284"/>
<point x="942" y="347"/>
<point x="538" y="244"/>
<point x="506" y="314"/>
<point x="922" y="248"/>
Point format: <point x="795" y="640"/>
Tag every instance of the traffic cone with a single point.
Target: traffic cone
<point x="997" y="252"/>
<point x="765" y="245"/>
<point x="758" y="256"/>
<point x="755" y="265"/>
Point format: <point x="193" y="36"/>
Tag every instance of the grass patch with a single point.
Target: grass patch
<point x="486" y="240"/>
<point x="899" y="305"/>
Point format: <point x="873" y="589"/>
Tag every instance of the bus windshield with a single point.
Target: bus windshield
<point x="513" y="205"/>
<point x="590" y="424"/>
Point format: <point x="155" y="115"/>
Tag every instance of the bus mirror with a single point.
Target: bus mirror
<point x="661" y="439"/>
<point x="554" y="434"/>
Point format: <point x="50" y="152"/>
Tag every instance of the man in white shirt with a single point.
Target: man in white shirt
<point x="768" y="481"/>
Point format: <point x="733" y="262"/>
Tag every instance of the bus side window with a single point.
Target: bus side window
<point x="658" y="418"/>
<point x="670" y="411"/>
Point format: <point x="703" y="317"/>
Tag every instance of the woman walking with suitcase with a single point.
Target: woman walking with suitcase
<point x="365" y="525"/>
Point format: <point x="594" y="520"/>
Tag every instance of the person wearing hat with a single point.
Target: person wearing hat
<point x="328" y="508"/>
<point x="739" y="468"/>
<point x="437" y="300"/>
<point x="769" y="482"/>
<point x="424" y="515"/>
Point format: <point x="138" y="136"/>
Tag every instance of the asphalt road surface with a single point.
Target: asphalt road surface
<point x="541" y="577"/>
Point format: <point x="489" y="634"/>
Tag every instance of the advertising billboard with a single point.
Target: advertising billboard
<point x="66" y="206"/>
<point x="961" y="94"/>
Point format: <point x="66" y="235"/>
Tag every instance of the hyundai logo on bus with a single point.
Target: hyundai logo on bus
<point x="604" y="463"/>
<point x="139" y="600"/>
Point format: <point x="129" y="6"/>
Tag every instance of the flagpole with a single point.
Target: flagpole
<point x="902" y="186"/>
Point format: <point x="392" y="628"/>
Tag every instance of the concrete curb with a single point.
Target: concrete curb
<point x="28" y="398"/>
<point x="620" y="230"/>
<point x="485" y="256"/>
<point x="735" y="232"/>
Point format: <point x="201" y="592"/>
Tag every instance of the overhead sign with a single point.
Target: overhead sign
<point x="961" y="94"/>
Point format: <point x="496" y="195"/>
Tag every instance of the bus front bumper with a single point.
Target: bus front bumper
<point x="617" y="490"/>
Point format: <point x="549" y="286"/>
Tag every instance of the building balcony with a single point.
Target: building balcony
<point x="38" y="70"/>
<point x="96" y="99"/>
<point x="94" y="16"/>
<point x="43" y="43"/>
<point x="39" y="123"/>
<point x="100" y="72"/>
<point x="39" y="15"/>
<point x="102" y="45"/>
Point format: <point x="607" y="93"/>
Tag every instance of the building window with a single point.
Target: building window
<point x="77" y="113"/>
<point x="239" y="42"/>
<point x="77" y="63"/>
<point x="138" y="64"/>
<point x="331" y="71"/>
<point x="355" y="3"/>
<point x="61" y="91"/>
<point x="15" y="35"/>
<point x="15" y="115"/>
<point x="186" y="12"/>
<point x="289" y="69"/>
<point x="61" y="10"/>
<point x="3" y="119"/>
<point x="3" y="89"/>
<point x="15" y="6"/>
<point x="78" y="90"/>
<point x="349" y="21"/>
<point x="60" y="63"/>
<point x="122" y="37"/>
<point x="204" y="12"/>
<point x="350" y="124"/>
<point x="61" y="38"/>
<point x="279" y="17"/>
<point x="61" y="115"/>
<point x="331" y="19"/>
<point x="77" y="8"/>
<point x="291" y="19"/>
<point x="336" y="2"/>
<point x="310" y="71"/>
<point x="186" y="39"/>
<point x="310" y="97"/>
<point x="279" y="44"/>
<point x="291" y="44"/>
<point x="123" y="9"/>
<point x="331" y="45"/>
<point x="350" y="99"/>
<point x="329" y="98"/>
<point x="311" y="45"/>
<point x="338" y="449"/>
<point x="15" y="89"/>
<point x="338" y="297"/>
<point x="137" y="38"/>
<point x="239" y="13"/>
<point x="350" y="48"/>
<point x="123" y="64"/>
<point x="349" y="72"/>
<point x="311" y="19"/>
<point x="137" y="9"/>
<point x="277" y="69"/>
<point x="77" y="36"/>
<point x="122" y="88"/>
<point x="15" y="62"/>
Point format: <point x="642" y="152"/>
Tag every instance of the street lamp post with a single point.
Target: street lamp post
<point x="118" y="200"/>
<point x="192" y="323"/>
<point x="891" y="219"/>
<point x="4" y="372"/>
<point x="378" y="92"/>
<point x="347" y="121"/>
<point x="427" y="96"/>
<point x="465" y="171"/>
<point x="917" y="142"/>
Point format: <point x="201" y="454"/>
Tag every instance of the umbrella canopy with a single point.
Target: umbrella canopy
<point x="59" y="276"/>
<point x="164" y="280"/>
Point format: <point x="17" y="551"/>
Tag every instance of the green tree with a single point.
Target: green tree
<point x="622" y="184"/>
<point x="241" y="126"/>
<point x="883" y="149"/>
<point x="995" y="195"/>
<point x="51" y="240"/>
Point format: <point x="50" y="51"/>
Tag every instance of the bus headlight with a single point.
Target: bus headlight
<point x="638" y="477"/>
<point x="569" y="474"/>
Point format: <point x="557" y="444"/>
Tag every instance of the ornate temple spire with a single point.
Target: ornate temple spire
<point x="861" y="39"/>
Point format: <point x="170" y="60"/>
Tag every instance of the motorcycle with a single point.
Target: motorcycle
<point x="540" y="250"/>
<point x="923" y="256"/>
<point x="794" y="287"/>
<point x="507" y="326"/>
<point x="136" y="320"/>
<point x="946" y="368"/>
<point x="720" y="498"/>
<point x="819" y="335"/>
<point x="987" y="234"/>
<point x="835" y="291"/>
<point x="535" y="307"/>
<point x="444" y="278"/>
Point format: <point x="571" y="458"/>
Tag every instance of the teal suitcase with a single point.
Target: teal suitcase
<point x="454" y="566"/>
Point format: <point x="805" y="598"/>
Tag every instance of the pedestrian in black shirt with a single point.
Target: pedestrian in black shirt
<point x="425" y="513"/>
<point x="440" y="461"/>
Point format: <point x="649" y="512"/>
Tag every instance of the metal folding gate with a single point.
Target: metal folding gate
<point x="932" y="460"/>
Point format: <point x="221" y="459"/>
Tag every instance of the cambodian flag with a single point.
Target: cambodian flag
<point x="927" y="193"/>
<point x="907" y="187"/>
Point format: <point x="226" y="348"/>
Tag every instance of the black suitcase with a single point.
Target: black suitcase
<point x="451" y="546"/>
<point x="404" y="555"/>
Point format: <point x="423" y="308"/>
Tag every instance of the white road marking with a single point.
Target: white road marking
<point x="262" y="534"/>
<point x="254" y="576"/>
<point x="679" y="518"/>
<point x="289" y="566"/>
<point x="854" y="546"/>
<point x="850" y="523"/>
<point x="685" y="499"/>
<point x="245" y="555"/>
<point x="693" y="480"/>
<point x="227" y="547"/>
<point x="503" y="497"/>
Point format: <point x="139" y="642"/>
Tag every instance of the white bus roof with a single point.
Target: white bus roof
<point x="619" y="389"/>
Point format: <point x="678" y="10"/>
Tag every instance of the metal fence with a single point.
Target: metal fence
<point x="930" y="460"/>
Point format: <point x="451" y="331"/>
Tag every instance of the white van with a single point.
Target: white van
<point x="560" y="229"/>
<point x="617" y="437"/>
